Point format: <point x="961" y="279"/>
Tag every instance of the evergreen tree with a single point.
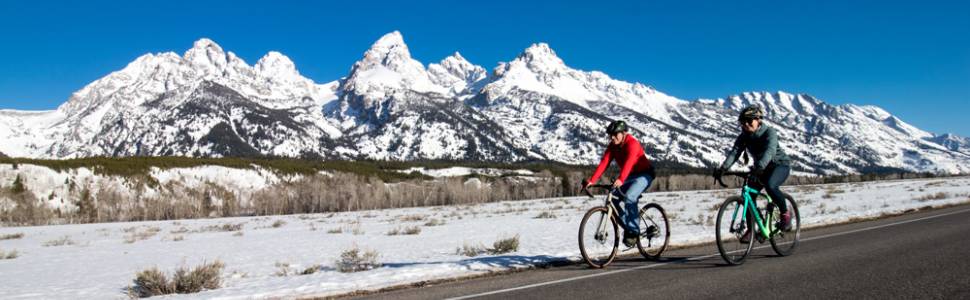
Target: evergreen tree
<point x="18" y="186"/>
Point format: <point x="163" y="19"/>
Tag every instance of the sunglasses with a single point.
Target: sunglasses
<point x="746" y="120"/>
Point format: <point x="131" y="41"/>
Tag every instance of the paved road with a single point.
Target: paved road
<point x="919" y="255"/>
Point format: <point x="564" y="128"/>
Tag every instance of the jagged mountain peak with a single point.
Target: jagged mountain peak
<point x="386" y="69"/>
<point x="390" y="51"/>
<point x="538" y="58"/>
<point x="455" y="61"/>
<point x="540" y="52"/>
<point x="206" y="43"/>
<point x="209" y="101"/>
<point x="779" y="104"/>
<point x="457" y="74"/>
<point x="393" y="39"/>
<point x="275" y="64"/>
<point x="206" y="54"/>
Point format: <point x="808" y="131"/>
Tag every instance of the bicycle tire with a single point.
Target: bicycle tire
<point x="653" y="215"/>
<point x="728" y="241"/>
<point x="784" y="243"/>
<point x="591" y="256"/>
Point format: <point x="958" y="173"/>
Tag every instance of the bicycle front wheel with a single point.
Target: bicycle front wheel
<point x="785" y="242"/>
<point x="598" y="237"/>
<point x="654" y="231"/>
<point x="731" y="226"/>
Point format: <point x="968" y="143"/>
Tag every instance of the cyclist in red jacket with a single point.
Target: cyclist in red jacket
<point x="636" y="174"/>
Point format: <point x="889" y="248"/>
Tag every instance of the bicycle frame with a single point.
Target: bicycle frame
<point x="610" y="211"/>
<point x="749" y="202"/>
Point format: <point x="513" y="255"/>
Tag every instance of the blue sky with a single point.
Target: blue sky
<point x="909" y="57"/>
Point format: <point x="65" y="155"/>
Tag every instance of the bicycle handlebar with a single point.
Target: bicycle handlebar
<point x="717" y="179"/>
<point x="600" y="186"/>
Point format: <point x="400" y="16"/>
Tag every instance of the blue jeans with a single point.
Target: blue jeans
<point x="629" y="212"/>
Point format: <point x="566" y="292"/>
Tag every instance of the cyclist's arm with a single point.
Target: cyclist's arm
<point x="770" y="149"/>
<point x="733" y="154"/>
<point x="605" y="162"/>
<point x="634" y="153"/>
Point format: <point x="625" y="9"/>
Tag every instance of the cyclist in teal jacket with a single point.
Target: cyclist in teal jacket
<point x="771" y="164"/>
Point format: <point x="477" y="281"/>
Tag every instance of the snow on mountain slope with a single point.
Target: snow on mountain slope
<point x="125" y="105"/>
<point x="540" y="70"/>
<point x="848" y="137"/>
<point x="23" y="131"/>
<point x="952" y="142"/>
<point x="209" y="102"/>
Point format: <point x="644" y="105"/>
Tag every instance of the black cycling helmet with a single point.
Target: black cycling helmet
<point x="616" y="126"/>
<point x="751" y="112"/>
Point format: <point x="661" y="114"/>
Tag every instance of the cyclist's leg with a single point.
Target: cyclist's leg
<point x="773" y="180"/>
<point x="635" y="185"/>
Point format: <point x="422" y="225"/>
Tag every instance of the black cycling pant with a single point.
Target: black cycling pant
<point x="773" y="177"/>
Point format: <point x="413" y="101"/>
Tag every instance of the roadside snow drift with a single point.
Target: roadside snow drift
<point x="99" y="261"/>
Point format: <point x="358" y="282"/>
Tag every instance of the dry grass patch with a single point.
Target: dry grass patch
<point x="471" y="250"/>
<point x="283" y="269"/>
<point x="410" y="230"/>
<point x="225" y="227"/>
<point x="62" y="241"/>
<point x="545" y="215"/>
<point x="434" y="222"/>
<point x="356" y="260"/>
<point x="279" y="223"/>
<point x="931" y="197"/>
<point x="12" y="236"/>
<point x="152" y="282"/>
<point x="136" y="235"/>
<point x="311" y="270"/>
<point x="9" y="255"/>
<point x="831" y="192"/>
<point x="412" y="218"/>
<point x="505" y="245"/>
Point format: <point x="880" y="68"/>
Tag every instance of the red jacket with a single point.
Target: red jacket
<point x="628" y="155"/>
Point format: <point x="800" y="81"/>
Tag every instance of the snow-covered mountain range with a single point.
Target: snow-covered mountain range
<point x="209" y="102"/>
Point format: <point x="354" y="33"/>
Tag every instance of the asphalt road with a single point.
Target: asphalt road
<point x="918" y="255"/>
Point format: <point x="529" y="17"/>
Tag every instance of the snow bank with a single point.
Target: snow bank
<point x="101" y="263"/>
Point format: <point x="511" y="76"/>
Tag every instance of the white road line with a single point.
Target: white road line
<point x="695" y="258"/>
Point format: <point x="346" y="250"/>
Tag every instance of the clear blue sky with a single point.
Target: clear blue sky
<point x="909" y="57"/>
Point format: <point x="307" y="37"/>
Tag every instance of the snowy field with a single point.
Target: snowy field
<point x="99" y="261"/>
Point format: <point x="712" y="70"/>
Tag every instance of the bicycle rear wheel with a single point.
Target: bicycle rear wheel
<point x="785" y="242"/>
<point x="731" y="225"/>
<point x="655" y="231"/>
<point x="598" y="247"/>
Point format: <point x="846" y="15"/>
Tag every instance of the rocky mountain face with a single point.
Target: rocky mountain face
<point x="210" y="103"/>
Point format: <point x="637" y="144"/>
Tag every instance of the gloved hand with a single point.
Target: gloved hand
<point x="757" y="172"/>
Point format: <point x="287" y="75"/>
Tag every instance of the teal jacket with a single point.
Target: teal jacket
<point x="762" y="145"/>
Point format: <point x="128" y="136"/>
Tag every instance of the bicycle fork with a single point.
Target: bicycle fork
<point x="601" y="229"/>
<point x="762" y="228"/>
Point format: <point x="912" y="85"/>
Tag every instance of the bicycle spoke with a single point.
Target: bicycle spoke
<point x="598" y="239"/>
<point x="732" y="224"/>
<point x="654" y="231"/>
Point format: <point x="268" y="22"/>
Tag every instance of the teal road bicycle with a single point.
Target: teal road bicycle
<point x="739" y="214"/>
